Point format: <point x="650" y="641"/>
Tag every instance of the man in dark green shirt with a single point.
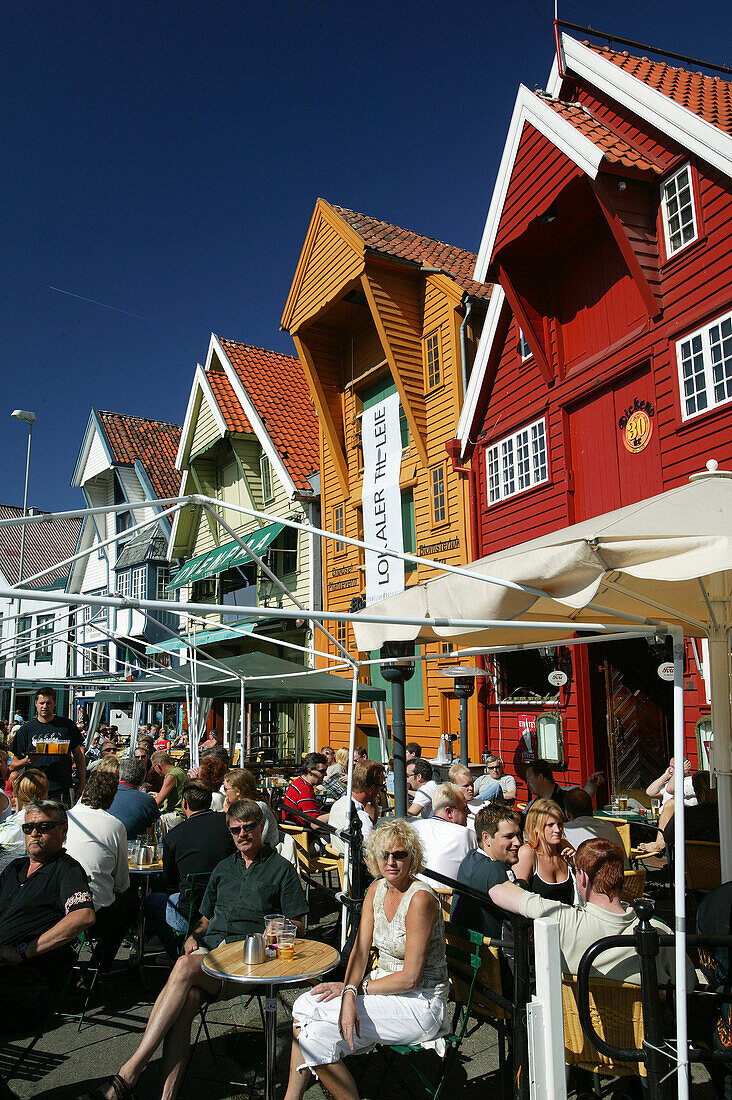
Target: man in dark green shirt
<point x="242" y="889"/>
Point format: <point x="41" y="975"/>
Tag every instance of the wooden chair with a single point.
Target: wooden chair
<point x="616" y="1011"/>
<point x="703" y="870"/>
<point x="333" y="853"/>
<point x="235" y="758"/>
<point x="634" y="883"/>
<point x="309" y="864"/>
<point x="623" y="828"/>
<point x="444" y="896"/>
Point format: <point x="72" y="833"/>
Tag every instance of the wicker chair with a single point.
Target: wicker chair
<point x="634" y="883"/>
<point x="616" y="1011"/>
<point x="444" y="896"/>
<point x="703" y="870"/>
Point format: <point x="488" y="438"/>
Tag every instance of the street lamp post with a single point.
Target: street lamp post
<point x="30" y="419"/>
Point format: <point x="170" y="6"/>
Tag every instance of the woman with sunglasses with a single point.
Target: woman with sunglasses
<point x="404" y="999"/>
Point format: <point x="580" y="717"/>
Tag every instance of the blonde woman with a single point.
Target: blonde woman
<point x="541" y="860"/>
<point x="404" y="1000"/>
<point x="28" y="786"/>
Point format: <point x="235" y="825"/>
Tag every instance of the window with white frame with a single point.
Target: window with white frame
<point x="705" y="367"/>
<point x="523" y="347"/>
<point x="677" y="209"/>
<point x="266" y="472"/>
<point x="23" y="638"/>
<point x="44" y="643"/>
<point x="123" y="585"/>
<point x="138" y="583"/>
<point x="339" y="527"/>
<point x="96" y="659"/>
<point x="163" y="580"/>
<point x="517" y="462"/>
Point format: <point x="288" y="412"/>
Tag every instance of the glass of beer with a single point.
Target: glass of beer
<point x="286" y="941"/>
<point x="622" y="804"/>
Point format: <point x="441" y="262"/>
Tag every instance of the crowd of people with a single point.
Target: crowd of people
<point x="64" y="871"/>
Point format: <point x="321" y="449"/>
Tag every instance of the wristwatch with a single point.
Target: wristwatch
<point x="21" y="948"/>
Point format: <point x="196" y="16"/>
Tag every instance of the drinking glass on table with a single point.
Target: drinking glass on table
<point x="286" y="941"/>
<point x="273" y="925"/>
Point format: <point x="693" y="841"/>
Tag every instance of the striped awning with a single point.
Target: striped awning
<point x="224" y="557"/>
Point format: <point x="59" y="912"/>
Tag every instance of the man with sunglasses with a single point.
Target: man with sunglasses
<point x="251" y="884"/>
<point x="45" y="903"/>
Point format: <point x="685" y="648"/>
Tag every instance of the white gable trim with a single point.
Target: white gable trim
<point x="554" y="83"/>
<point x="693" y="133"/>
<point x="183" y="491"/>
<point x="475" y="384"/>
<point x="255" y="420"/>
<point x="201" y="388"/>
<point x="531" y="108"/>
<point x="93" y="428"/>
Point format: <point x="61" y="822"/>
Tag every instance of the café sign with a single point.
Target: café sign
<point x="381" y="498"/>
<point x="636" y="424"/>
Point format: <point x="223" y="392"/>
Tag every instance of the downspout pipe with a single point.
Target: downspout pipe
<point x="463" y="341"/>
<point x="453" y="449"/>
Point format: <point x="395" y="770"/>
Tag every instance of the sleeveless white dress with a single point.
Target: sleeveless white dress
<point x="413" y="1018"/>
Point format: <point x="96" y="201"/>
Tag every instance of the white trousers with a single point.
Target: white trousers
<point x="408" y="1018"/>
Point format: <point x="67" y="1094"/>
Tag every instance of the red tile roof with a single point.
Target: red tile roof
<point x="46" y="544"/>
<point x="154" y="443"/>
<point x="278" y="390"/>
<point x="228" y="402"/>
<point x="392" y="240"/>
<point x="615" y="149"/>
<point x="709" y="97"/>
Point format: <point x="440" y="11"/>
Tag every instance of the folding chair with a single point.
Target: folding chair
<point x="464" y="963"/>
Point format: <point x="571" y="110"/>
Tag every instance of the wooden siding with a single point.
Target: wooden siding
<point x="536" y="158"/>
<point x="320" y="350"/>
<point x="397" y="306"/>
<point x="97" y="460"/>
<point x="329" y="261"/>
<point x="206" y="431"/>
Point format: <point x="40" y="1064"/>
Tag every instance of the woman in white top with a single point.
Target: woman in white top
<point x="404" y="999"/>
<point x="27" y="785"/>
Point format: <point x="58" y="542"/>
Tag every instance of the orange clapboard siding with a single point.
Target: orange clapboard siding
<point x="355" y="326"/>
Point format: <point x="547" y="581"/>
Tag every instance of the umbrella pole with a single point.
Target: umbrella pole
<point x="349" y="792"/>
<point x="682" y="1043"/>
<point x="242" y="726"/>
<point x="719" y="675"/>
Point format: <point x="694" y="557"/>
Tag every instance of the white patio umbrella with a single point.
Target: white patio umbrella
<point x="666" y="560"/>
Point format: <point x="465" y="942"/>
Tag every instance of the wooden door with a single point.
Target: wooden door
<point x="638" y="715"/>
<point x="449" y="713"/>
<point x="606" y="473"/>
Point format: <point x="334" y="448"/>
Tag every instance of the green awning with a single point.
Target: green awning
<point x="225" y="557"/>
<point x="203" y="637"/>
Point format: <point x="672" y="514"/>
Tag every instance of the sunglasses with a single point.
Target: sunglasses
<point x="39" y="827"/>
<point x="248" y="828"/>
<point x="398" y="856"/>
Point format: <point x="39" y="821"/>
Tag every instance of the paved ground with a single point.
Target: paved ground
<point x="68" y="1061"/>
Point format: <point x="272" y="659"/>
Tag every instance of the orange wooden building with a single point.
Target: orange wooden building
<point x="387" y="319"/>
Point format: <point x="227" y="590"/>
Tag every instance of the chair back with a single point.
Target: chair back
<point x="444" y="896"/>
<point x="192" y="889"/>
<point x="463" y="946"/>
<point x="703" y="868"/>
<point x="634" y="883"/>
<point x="616" y="1011"/>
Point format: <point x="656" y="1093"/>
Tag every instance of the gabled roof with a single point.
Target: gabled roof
<point x="275" y="384"/>
<point x="153" y="443"/>
<point x="615" y="149"/>
<point x="228" y="402"/>
<point x="46" y="544"/>
<point x="709" y="97"/>
<point x="403" y="244"/>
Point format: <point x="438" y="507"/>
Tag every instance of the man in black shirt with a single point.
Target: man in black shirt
<point x="541" y="783"/>
<point x="254" y="882"/>
<point x="498" y="829"/>
<point x="45" y="903"/>
<point x="47" y="729"/>
<point x="194" y="847"/>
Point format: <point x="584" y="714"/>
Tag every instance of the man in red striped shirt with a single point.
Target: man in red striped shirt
<point x="300" y="795"/>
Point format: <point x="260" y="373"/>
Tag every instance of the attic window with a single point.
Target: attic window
<point x="677" y="207"/>
<point x="432" y="360"/>
<point x="266" y="472"/>
<point x="523" y="347"/>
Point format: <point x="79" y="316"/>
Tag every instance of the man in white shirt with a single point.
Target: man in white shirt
<point x="581" y="825"/>
<point x="368" y="779"/>
<point x="98" y="842"/>
<point x="446" y="838"/>
<point x="494" y="774"/>
<point x="421" y="783"/>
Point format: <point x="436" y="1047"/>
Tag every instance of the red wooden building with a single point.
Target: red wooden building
<point x="604" y="374"/>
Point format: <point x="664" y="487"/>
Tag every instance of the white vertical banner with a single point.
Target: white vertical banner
<point x="382" y="500"/>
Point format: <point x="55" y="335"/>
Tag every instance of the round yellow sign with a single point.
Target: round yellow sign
<point x="637" y="431"/>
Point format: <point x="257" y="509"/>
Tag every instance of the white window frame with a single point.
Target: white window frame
<point x="162" y="580"/>
<point x="515" y="464"/>
<point x="265" y="470"/>
<point x="123" y="584"/>
<point x="137" y="584"/>
<point x="710" y="341"/>
<point x="523" y="347"/>
<point x="44" y="629"/>
<point x="674" y="180"/>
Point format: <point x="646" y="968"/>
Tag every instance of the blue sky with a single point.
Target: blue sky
<point x="164" y="159"/>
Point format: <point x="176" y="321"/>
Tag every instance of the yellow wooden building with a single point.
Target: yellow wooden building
<point x="377" y="311"/>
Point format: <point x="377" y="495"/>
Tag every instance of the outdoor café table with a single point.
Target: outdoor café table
<point x="145" y="871"/>
<point x="311" y="960"/>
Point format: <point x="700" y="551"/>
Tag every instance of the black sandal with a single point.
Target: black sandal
<point x="121" y="1090"/>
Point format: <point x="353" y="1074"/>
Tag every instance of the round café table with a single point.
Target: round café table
<point x="311" y="960"/>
